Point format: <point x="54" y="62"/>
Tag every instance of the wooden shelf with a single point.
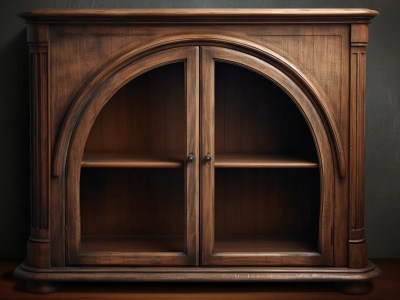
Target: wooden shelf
<point x="262" y="161"/>
<point x="264" y="244"/>
<point x="99" y="160"/>
<point x="132" y="244"/>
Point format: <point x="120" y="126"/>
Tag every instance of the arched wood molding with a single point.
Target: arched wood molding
<point x="97" y="100"/>
<point x="320" y="135"/>
<point x="123" y="59"/>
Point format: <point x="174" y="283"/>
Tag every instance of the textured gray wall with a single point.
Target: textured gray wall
<point x="383" y="114"/>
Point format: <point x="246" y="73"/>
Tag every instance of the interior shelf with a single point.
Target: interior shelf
<point x="118" y="160"/>
<point x="132" y="244"/>
<point x="264" y="244"/>
<point x="262" y="161"/>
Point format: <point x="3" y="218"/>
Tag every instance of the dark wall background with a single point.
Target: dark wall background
<point x="383" y="114"/>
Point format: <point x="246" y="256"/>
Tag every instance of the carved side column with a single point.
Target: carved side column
<point x="357" y="243"/>
<point x="39" y="240"/>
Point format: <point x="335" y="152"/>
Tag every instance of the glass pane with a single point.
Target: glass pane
<point x="253" y="116"/>
<point x="266" y="210"/>
<point x="132" y="210"/>
<point x="132" y="191"/>
<point x="147" y="116"/>
<point x="267" y="185"/>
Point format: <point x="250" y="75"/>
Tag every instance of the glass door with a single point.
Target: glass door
<point x="138" y="188"/>
<point x="261" y="197"/>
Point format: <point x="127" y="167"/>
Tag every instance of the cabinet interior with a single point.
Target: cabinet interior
<point x="132" y="177"/>
<point x="132" y="190"/>
<point x="132" y="209"/>
<point x="255" y="118"/>
<point x="266" y="210"/>
<point x="267" y="179"/>
<point x="144" y="121"/>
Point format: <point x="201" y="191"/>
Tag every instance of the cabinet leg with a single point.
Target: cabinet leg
<point x="355" y="287"/>
<point x="41" y="287"/>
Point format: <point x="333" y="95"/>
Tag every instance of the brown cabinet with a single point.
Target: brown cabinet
<point x="197" y="145"/>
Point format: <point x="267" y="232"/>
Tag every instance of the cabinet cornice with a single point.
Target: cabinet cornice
<point x="210" y="16"/>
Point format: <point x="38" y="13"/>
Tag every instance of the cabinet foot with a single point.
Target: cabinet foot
<point x="355" y="287"/>
<point x="41" y="287"/>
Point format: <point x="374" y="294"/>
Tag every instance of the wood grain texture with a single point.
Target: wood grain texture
<point x="192" y="168"/>
<point x="128" y="244"/>
<point x="207" y="147"/>
<point x="262" y="161"/>
<point x="209" y="100"/>
<point x="188" y="186"/>
<point x="215" y="274"/>
<point x="39" y="240"/>
<point x="253" y="211"/>
<point x="253" y="116"/>
<point x="277" y="244"/>
<point x="151" y="116"/>
<point x="286" y="15"/>
<point x="263" y="203"/>
<point x="110" y="160"/>
<point x="385" y="287"/>
<point x="132" y="202"/>
<point x="357" y="242"/>
<point x="312" y="46"/>
<point x="124" y="57"/>
<point x="169" y="143"/>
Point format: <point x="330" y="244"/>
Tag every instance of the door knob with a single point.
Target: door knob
<point x="207" y="158"/>
<point x="190" y="158"/>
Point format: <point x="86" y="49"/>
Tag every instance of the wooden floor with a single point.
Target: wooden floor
<point x="386" y="286"/>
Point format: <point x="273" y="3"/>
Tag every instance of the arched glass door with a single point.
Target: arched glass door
<point x="242" y="176"/>
<point x="138" y="187"/>
<point x="263" y="204"/>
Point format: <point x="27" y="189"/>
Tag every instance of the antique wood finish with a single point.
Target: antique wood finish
<point x="357" y="243"/>
<point x="262" y="161"/>
<point x="324" y="255"/>
<point x="315" y="93"/>
<point x="39" y="240"/>
<point x="166" y="16"/>
<point x="198" y="145"/>
<point x="168" y="274"/>
<point x="188" y="255"/>
<point x="384" y="287"/>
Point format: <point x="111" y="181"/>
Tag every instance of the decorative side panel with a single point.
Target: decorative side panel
<point x="320" y="52"/>
<point x="39" y="241"/>
<point x="357" y="243"/>
<point x="78" y="52"/>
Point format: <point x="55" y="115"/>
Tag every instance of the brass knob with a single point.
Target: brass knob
<point x="207" y="158"/>
<point x="190" y="158"/>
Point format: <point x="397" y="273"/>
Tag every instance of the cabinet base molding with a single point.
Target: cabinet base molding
<point x="165" y="274"/>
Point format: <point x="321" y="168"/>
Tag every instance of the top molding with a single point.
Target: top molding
<point x="206" y="16"/>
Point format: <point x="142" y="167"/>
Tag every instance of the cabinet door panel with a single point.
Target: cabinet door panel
<point x="262" y="195"/>
<point x="132" y="191"/>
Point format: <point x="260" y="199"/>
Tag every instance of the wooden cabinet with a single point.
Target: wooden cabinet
<point x="196" y="145"/>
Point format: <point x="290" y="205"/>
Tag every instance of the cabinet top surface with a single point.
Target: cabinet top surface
<point x="292" y="15"/>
